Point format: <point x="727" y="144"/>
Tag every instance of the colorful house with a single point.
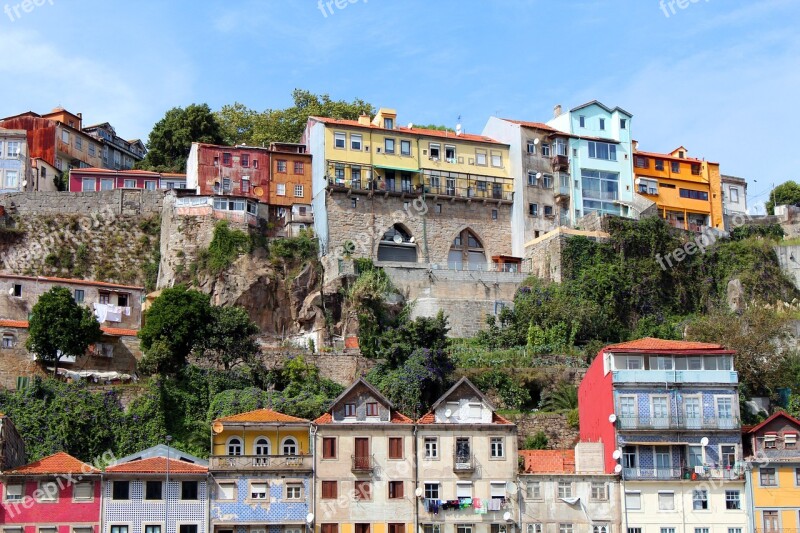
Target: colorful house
<point x="667" y="415"/>
<point x="160" y="489"/>
<point x="687" y="191"/>
<point x="774" y="473"/>
<point x="57" y="494"/>
<point x="101" y="179"/>
<point x="261" y="463"/>
<point x="364" y="464"/>
<point x="467" y="464"/>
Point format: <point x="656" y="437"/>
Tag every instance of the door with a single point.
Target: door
<point x="725" y="412"/>
<point x="497" y="191"/>
<point x="660" y="412"/>
<point x="771" y="522"/>
<point x="362" y="453"/>
<point x="663" y="462"/>
<point x="627" y="412"/>
<point x="462" y="450"/>
<point x="406" y="184"/>
<point x="691" y="408"/>
<point x="451" y="187"/>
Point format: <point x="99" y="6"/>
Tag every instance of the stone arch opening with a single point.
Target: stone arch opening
<point x="397" y="244"/>
<point x="467" y="252"/>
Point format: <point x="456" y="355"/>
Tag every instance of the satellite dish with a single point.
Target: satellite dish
<point x="448" y="413"/>
<point x="397" y="239"/>
<point x="538" y="175"/>
<point x="616" y="455"/>
<point x="618" y="469"/>
<point x="11" y="291"/>
<point x="536" y="141"/>
<point x="704" y="441"/>
<point x="612" y="418"/>
<point x="507" y="516"/>
<point x="412" y="240"/>
<point x="217" y="428"/>
<point x="309" y="518"/>
<point x="410" y="125"/>
<point x="418" y="493"/>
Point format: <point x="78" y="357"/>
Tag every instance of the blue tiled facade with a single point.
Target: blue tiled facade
<point x="137" y="512"/>
<point x="272" y="513"/>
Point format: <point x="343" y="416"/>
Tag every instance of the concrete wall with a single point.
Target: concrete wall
<point x="789" y="259"/>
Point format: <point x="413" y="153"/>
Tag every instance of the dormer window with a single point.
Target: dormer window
<point x="475" y="410"/>
<point x="388" y="123"/>
<point x="372" y="409"/>
<point x="349" y="409"/>
<point x="790" y="440"/>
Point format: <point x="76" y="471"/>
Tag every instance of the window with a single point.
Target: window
<point x="480" y="158"/>
<point x="667" y="530"/>
<point x="701" y="530"/>
<point x="497" y="159"/>
<point x="298" y="191"/>
<point x="599" y="491"/>
<point x="189" y="490"/>
<point x="245" y="160"/>
<point x="349" y="409"/>
<point x="666" y="501"/>
<point x="187" y="528"/>
<point x="388" y="123"/>
<point x="395" y="447"/>
<point x="150" y="185"/>
<point x="280" y="189"/>
<point x="88" y="184"/>
<point x="548" y="210"/>
<point x="734" y="194"/>
<point x="582" y="121"/>
<point x="8" y="340"/>
<point x="565" y="528"/>
<point x="432" y="528"/>
<point x="641" y="162"/>
<point x="533" y="210"/>
<point x="65" y="136"/>
<point x="434" y="149"/>
<point x="363" y="490"/>
<point x="395" y="490"/>
<point x="339" y="140"/>
<point x="121" y="490"/>
<point x="18" y="290"/>
<point x="767" y="477"/>
<point x="732" y="500"/>
<point x="82" y="530"/>
<point x="245" y="184"/>
<point x="330" y="490"/>
<point x="623" y="123"/>
<point x="547" y="181"/>
<point x="355" y="142"/>
<point x="432" y="491"/>
<point x="438" y="209"/>
<point x="633" y="500"/>
<point x="281" y="166"/>
<point x="78" y="143"/>
<point x="388" y="146"/>
<point x="47" y="529"/>
<point x="565" y="489"/>
<point x="12" y="148"/>
<point x="464" y="489"/>
<point x="494" y="214"/>
<point x="599" y="150"/>
<point x="289" y="446"/>
<point x="699" y="499"/>
<point x="464" y="528"/>
<point x="531" y="147"/>
<point x="397" y="528"/>
<point x="259" y="490"/>
<point x="234" y="446"/>
<point x="533" y="180"/>
<point x="329" y="447"/>
<point x="129" y="184"/>
<point x="227" y="159"/>
<point x="354" y="202"/>
<point x="119" y="529"/>
<point x="545" y="150"/>
<point x="449" y="153"/>
<point x="83" y="491"/>
<point x="496" y="447"/>
<point x="431" y="447"/>
<point x="675" y="167"/>
<point x="601" y="528"/>
<point x="602" y="123"/>
<point x="299" y="168"/>
<point x="294" y="491"/>
<point x="14" y="491"/>
<point x="732" y="530"/>
<point x="694" y="195"/>
<point x="405" y="147"/>
<point x="533" y="490"/>
<point x="11" y="179"/>
<point x="48" y="491"/>
<point x="152" y="490"/>
<point x="226" y="491"/>
<point x="372" y="409"/>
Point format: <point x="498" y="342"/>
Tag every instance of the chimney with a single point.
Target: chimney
<point x="557" y="111"/>
<point x="363" y="119"/>
<point x="635" y="145"/>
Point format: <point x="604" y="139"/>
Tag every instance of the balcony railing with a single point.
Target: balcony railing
<point x="682" y="473"/>
<point x="472" y="192"/>
<point x="676" y="376"/>
<point x="262" y="462"/>
<point x="560" y="162"/>
<point x="363" y="463"/>
<point x="463" y="463"/>
<point x="677" y="422"/>
<point x="375" y="186"/>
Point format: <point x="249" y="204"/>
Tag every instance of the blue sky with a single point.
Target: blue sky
<point x="715" y="75"/>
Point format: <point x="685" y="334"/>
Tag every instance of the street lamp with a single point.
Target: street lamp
<point x="166" y="496"/>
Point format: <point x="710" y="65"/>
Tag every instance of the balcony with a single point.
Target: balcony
<point x="470" y="193"/>
<point x="649" y="191"/>
<point x="363" y="463"/>
<point x="364" y="186"/>
<point x="727" y="377"/>
<point x="560" y="163"/>
<point x="265" y="463"/>
<point x="677" y="422"/>
<point x="686" y="473"/>
<point x="463" y="463"/>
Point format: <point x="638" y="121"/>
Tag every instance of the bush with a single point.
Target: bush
<point x="538" y="441"/>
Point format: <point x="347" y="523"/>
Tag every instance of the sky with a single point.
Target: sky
<point x="711" y="75"/>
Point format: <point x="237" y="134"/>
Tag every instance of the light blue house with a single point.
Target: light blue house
<point x="601" y="160"/>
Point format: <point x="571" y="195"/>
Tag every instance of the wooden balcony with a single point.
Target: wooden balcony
<point x="364" y="463"/>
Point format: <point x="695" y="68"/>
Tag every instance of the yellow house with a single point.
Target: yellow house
<point x="775" y="475"/>
<point x="687" y="191"/>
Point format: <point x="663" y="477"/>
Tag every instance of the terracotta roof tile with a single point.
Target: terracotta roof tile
<point x="397" y="418"/>
<point x="58" y="463"/>
<point x="549" y="461"/>
<point x="73" y="281"/>
<point x="261" y="415"/>
<point x="157" y="465"/>
<point x="325" y="418"/>
<point x="413" y="131"/>
<point x="536" y="125"/>
<point x="650" y="343"/>
<point x="7" y="323"/>
<point x="776" y="414"/>
<point x="667" y="156"/>
<point x="114" y="332"/>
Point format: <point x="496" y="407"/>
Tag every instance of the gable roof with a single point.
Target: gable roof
<point x="775" y="415"/>
<point x="263" y="415"/>
<point x="469" y="384"/>
<point x="600" y="105"/>
<point x="72" y="281"/>
<point x="58" y="463"/>
<point x="157" y="465"/>
<point x="548" y="461"/>
<point x="668" y="156"/>
<point x="472" y="137"/>
<point x="162" y="450"/>
<point x="653" y="344"/>
<point x="363" y="382"/>
<point x="535" y="125"/>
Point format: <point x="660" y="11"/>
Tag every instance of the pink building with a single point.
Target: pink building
<point x="57" y="494"/>
<point x="101" y="179"/>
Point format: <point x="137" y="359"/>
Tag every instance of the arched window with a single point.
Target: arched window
<point x="262" y="446"/>
<point x="397" y="244"/>
<point x="235" y="446"/>
<point x="466" y="252"/>
<point x="289" y="446"/>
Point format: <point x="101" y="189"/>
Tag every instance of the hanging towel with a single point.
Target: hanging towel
<point x="494" y="504"/>
<point x="435" y="507"/>
<point x="476" y="503"/>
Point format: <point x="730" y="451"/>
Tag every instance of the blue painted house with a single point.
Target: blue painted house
<point x="261" y="465"/>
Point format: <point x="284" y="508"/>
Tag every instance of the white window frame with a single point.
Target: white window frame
<point x="280" y="189"/>
<point x="635" y="494"/>
<point x="671" y="501"/>
<point x="497" y="447"/>
<point x="356" y="141"/>
<point x="340" y="136"/>
<point x="299" y="191"/>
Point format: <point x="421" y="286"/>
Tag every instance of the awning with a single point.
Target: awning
<point x="414" y="170"/>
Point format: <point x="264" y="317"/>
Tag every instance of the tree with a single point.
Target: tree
<point x="59" y="327"/>
<point x="240" y="124"/>
<point x="563" y="397"/>
<point x="174" y="324"/>
<point x="230" y="338"/>
<point x="172" y="137"/>
<point x="538" y="441"/>
<point x="784" y="194"/>
<point x="396" y="345"/>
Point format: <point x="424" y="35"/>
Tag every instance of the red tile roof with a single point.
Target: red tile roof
<point x="97" y="170"/>
<point x="262" y="415"/>
<point x="325" y="418"/>
<point x="776" y="414"/>
<point x="667" y="156"/>
<point x="7" y="323"/>
<point x="412" y="131"/>
<point x="114" y="332"/>
<point x="58" y="463"/>
<point x="397" y="418"/>
<point x="536" y="125"/>
<point x="653" y="344"/>
<point x="549" y="461"/>
<point x="73" y="281"/>
<point x="157" y="465"/>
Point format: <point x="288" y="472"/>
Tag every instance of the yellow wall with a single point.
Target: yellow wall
<point x="273" y="433"/>
<point x="786" y="494"/>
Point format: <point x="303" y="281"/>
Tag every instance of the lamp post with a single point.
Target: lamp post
<point x="166" y="496"/>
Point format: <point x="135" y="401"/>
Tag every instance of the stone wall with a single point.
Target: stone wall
<point x="544" y="254"/>
<point x="119" y="202"/>
<point x="789" y="259"/>
<point x="560" y="435"/>
<point x="342" y="368"/>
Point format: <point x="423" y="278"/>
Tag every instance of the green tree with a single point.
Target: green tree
<point x="538" y="441"/>
<point x="397" y="344"/>
<point x="171" y="138"/>
<point x="787" y="193"/>
<point x="174" y="324"/>
<point x="240" y="124"/>
<point x="563" y="397"/>
<point x="59" y="327"/>
<point x="230" y="338"/>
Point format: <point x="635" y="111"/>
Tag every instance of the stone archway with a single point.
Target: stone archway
<point x="398" y="245"/>
<point x="467" y="252"/>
